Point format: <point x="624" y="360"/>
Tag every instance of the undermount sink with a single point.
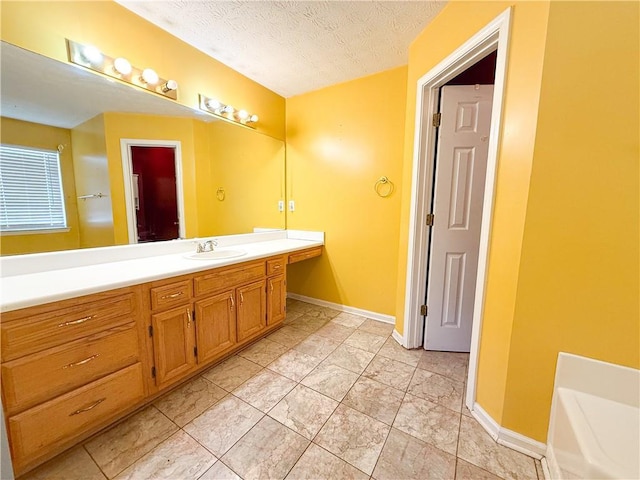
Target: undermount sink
<point x="215" y="255"/>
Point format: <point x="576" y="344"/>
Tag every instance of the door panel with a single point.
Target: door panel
<point x="215" y="326"/>
<point x="173" y="344"/>
<point x="461" y="163"/>
<point x="276" y="299"/>
<point x="251" y="315"/>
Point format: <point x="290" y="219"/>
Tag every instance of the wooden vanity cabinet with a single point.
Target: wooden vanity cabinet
<point x="215" y="325"/>
<point x="276" y="290"/>
<point x="251" y="316"/>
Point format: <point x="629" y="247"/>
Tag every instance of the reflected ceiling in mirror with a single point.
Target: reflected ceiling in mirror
<point x="47" y="93"/>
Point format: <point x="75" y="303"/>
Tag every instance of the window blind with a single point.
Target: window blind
<point x="31" y="196"/>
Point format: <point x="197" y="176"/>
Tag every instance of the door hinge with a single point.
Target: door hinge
<point x="430" y="218"/>
<point x="437" y="117"/>
<point x="195" y="351"/>
<point x="423" y="310"/>
<point x="151" y="330"/>
<point x="153" y="372"/>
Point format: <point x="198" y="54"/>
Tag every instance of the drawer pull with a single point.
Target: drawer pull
<point x="241" y="299"/>
<point x="233" y="304"/>
<point x="76" y="322"/>
<point x="173" y="295"/>
<point x="271" y="285"/>
<point x="276" y="267"/>
<point x="86" y="409"/>
<point x="82" y="362"/>
<point x="189" y="317"/>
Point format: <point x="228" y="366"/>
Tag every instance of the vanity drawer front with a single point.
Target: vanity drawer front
<point x="169" y="295"/>
<point x="305" y="254"/>
<point x="224" y="278"/>
<point x="276" y="266"/>
<point x="41" y="428"/>
<point x="36" y="378"/>
<point x="40" y="331"/>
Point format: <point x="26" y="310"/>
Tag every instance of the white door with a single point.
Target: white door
<point x="461" y="165"/>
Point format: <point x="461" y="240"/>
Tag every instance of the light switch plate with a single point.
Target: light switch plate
<point x="281" y="205"/>
<point x="292" y="205"/>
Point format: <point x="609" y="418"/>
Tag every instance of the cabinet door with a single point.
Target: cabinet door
<point x="215" y="325"/>
<point x="251" y="315"/>
<point x="276" y="299"/>
<point x="173" y="344"/>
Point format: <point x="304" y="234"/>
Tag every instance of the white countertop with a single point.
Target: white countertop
<point x="29" y="280"/>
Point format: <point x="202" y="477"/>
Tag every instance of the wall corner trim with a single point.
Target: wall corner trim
<point x="381" y="317"/>
<point x="506" y="437"/>
<point x="399" y="338"/>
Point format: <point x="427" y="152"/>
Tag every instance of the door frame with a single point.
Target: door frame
<point x="127" y="170"/>
<point x="494" y="36"/>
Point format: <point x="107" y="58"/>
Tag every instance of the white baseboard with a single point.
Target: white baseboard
<point x="550" y="466"/>
<point x="398" y="338"/>
<point x="506" y="437"/>
<point x="381" y="317"/>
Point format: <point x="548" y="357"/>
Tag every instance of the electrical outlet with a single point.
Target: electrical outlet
<point x="292" y="205"/>
<point x="281" y="205"/>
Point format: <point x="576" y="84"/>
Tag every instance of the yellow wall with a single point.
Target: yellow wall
<point x="16" y="132"/>
<point x="250" y="168"/>
<point x="578" y="289"/>
<point x="340" y="140"/>
<point x="92" y="177"/>
<point x="43" y="26"/>
<point x="455" y="24"/>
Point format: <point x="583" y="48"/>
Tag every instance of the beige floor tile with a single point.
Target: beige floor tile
<point x="390" y="372"/>
<point x="405" y="457"/>
<point x="317" y="346"/>
<point x="294" y="365"/>
<point x="291" y="316"/>
<point x="354" y="437"/>
<point x="326" y="313"/>
<point x="264" y="390"/>
<point x="478" y="448"/>
<point x="468" y="471"/>
<point x="376" y="327"/>
<point x="309" y="324"/>
<point x="180" y="456"/>
<point x="351" y="358"/>
<point x="232" y="372"/>
<point x="441" y="390"/>
<point x="374" y="399"/>
<point x="449" y="364"/>
<point x="298" y="306"/>
<point x="190" y="400"/>
<point x="318" y="464"/>
<point x="268" y="451"/>
<point x="304" y="411"/>
<point x="76" y="464"/>
<point x="223" y="424"/>
<point x="365" y="341"/>
<point x="289" y="336"/>
<point x="122" y="445"/>
<point x="330" y="380"/>
<point x="393" y="350"/>
<point x="336" y="332"/>
<point x="263" y="352"/>
<point x="349" y="320"/>
<point x="219" y="471"/>
<point x="432" y="423"/>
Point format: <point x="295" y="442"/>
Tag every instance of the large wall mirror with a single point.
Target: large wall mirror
<point x="111" y="138"/>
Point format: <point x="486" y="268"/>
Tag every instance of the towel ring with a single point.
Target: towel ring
<point x="220" y="194"/>
<point x="379" y="187"/>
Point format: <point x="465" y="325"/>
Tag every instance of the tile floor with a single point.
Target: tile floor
<point x="328" y="396"/>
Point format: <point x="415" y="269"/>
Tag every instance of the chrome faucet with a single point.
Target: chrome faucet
<point x="206" y="246"/>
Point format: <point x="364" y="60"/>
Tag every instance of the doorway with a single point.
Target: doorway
<point x="153" y="190"/>
<point x="493" y="37"/>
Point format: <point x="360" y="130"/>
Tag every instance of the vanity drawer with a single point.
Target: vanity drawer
<point x="39" y="330"/>
<point x="36" y="378"/>
<point x="224" y="278"/>
<point x="305" y="254"/>
<point x="276" y="265"/>
<point x="42" y="428"/>
<point x="169" y="295"/>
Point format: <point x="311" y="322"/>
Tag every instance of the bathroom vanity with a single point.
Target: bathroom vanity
<point x="87" y="344"/>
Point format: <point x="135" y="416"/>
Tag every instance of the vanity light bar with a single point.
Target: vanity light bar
<point x="90" y="57"/>
<point x="211" y="105"/>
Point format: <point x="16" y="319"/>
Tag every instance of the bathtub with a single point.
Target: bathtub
<point x="594" y="429"/>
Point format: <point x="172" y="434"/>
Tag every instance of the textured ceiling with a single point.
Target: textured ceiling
<point x="295" y="47"/>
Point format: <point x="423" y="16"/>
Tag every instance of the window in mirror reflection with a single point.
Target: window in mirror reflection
<point x="31" y="196"/>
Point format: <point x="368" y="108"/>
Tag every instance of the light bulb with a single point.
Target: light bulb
<point x="254" y="118"/>
<point x="243" y="114"/>
<point x="229" y="109"/>
<point x="170" y="85"/>
<point x="122" y="66"/>
<point x="92" y="55"/>
<point x="149" y="76"/>
<point x="213" y="104"/>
